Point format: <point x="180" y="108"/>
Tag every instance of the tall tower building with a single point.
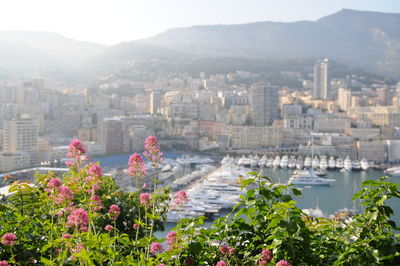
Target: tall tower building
<point x="112" y="135"/>
<point x="155" y="102"/>
<point x="398" y="95"/>
<point x="264" y="104"/>
<point x="321" y="79"/>
<point x="21" y="135"/>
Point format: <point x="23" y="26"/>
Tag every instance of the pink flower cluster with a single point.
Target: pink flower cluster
<point x="226" y="250"/>
<point x="221" y="263"/>
<point x="136" y="166"/>
<point x="79" y="218"/>
<point x="95" y="202"/>
<point x="78" y="248"/>
<point x="172" y="240"/>
<point x="156" y="247"/>
<point x="76" y="151"/>
<point x="64" y="194"/>
<point x="152" y="147"/>
<point x="181" y="198"/>
<point x="95" y="170"/>
<point x="76" y="146"/>
<point x="57" y="192"/>
<point x="108" y="227"/>
<point x="8" y="239"/>
<point x="114" y="211"/>
<point x="94" y="179"/>
<point x="54" y="183"/>
<point x="145" y="199"/>
<point x="4" y="263"/>
<point x="266" y="256"/>
<point x="283" y="263"/>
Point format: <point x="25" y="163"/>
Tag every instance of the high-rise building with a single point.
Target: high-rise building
<point x="344" y="99"/>
<point x="21" y="135"/>
<point x="155" y="102"/>
<point x="264" y="104"/>
<point x="321" y="79"/>
<point x="112" y="135"/>
<point x="398" y="95"/>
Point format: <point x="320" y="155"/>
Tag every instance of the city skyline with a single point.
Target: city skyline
<point x="114" y="22"/>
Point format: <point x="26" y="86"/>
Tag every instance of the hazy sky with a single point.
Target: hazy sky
<point x="113" y="21"/>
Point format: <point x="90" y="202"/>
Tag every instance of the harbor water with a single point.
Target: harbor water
<point x="338" y="195"/>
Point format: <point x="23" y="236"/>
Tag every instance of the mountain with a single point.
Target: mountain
<point x="40" y="52"/>
<point x="370" y="40"/>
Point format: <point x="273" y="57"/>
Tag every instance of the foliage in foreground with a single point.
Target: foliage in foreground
<point x="85" y="219"/>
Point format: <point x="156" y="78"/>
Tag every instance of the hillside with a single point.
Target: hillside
<point x="369" y="40"/>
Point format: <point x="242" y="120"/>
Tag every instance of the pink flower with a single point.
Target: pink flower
<point x="66" y="236"/>
<point x="78" y="248"/>
<point x="108" y="227"/>
<point x="266" y="255"/>
<point x="79" y="218"/>
<point x="4" y="263"/>
<point x="136" y="226"/>
<point x="224" y="249"/>
<point x="114" y="211"/>
<point x="221" y="263"/>
<point x="283" y="263"/>
<point x="54" y="183"/>
<point x="171" y="235"/>
<point x="181" y="198"/>
<point x="262" y="262"/>
<point x="144" y="198"/>
<point x="171" y="238"/>
<point x="161" y="264"/>
<point x="144" y="185"/>
<point x="136" y="166"/>
<point x="8" y="239"/>
<point x="95" y="201"/>
<point x="156" y="247"/>
<point x="152" y="149"/>
<point x="59" y="213"/>
<point x="76" y="146"/>
<point x="95" y="170"/>
<point x="232" y="250"/>
<point x="65" y="194"/>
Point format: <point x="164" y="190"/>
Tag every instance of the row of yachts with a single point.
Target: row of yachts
<point x="291" y="162"/>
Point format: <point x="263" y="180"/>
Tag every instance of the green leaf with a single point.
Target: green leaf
<point x="248" y="181"/>
<point x="273" y="223"/>
<point x="296" y="192"/>
<point x="195" y="248"/>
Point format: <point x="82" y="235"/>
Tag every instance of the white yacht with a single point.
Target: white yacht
<point x="331" y="163"/>
<point x="241" y="161"/>
<point x="276" y="162"/>
<point x="356" y="165"/>
<point x="320" y="172"/>
<point x="284" y="161"/>
<point x="323" y="163"/>
<point x="308" y="178"/>
<point x="364" y="164"/>
<point x="315" y="162"/>
<point x="292" y="162"/>
<point x="263" y="161"/>
<point x="393" y="171"/>
<point x="339" y="163"/>
<point x="299" y="163"/>
<point x="269" y="162"/>
<point x="347" y="164"/>
<point x="307" y="162"/>
<point x="254" y="161"/>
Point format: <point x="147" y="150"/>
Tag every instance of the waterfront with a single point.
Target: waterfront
<point x="328" y="198"/>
